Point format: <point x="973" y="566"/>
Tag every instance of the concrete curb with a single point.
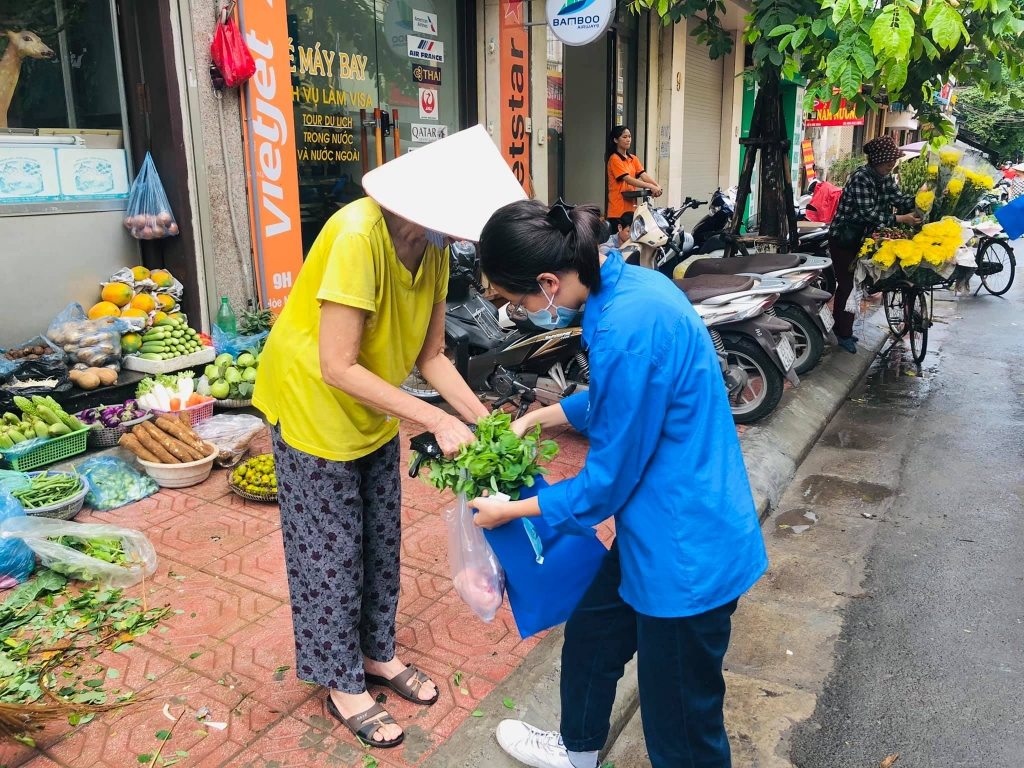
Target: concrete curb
<point x="773" y="449"/>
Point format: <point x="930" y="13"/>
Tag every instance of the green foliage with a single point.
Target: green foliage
<point x="840" y="170"/>
<point x="909" y="47"/>
<point x="997" y="119"/>
<point x="498" y="460"/>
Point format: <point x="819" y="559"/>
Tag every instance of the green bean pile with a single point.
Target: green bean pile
<point x="47" y="489"/>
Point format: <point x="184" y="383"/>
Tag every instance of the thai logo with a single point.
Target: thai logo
<point x="575" y="6"/>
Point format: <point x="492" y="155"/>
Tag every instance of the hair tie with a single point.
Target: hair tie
<point x="559" y="214"/>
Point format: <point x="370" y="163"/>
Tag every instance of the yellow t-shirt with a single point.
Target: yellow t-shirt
<point x="352" y="262"/>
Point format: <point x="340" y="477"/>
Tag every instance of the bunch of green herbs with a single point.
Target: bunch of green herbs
<point x="498" y="460"/>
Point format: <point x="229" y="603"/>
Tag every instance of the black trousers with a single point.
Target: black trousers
<point x="680" y="671"/>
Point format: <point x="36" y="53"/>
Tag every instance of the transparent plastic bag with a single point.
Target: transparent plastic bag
<point x="92" y="343"/>
<point x="139" y="557"/>
<point x="16" y="559"/>
<point x="231" y="433"/>
<point x="476" y="573"/>
<point x="235" y="344"/>
<point x="149" y="212"/>
<point x="114" y="483"/>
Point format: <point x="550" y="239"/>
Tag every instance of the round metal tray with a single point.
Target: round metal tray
<point x="232" y="403"/>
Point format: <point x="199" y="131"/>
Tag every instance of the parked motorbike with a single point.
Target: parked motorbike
<point x="754" y="347"/>
<point x="803" y="305"/>
<point x="517" y="364"/>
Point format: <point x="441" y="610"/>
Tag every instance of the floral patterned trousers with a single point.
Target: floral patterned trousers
<point x="342" y="526"/>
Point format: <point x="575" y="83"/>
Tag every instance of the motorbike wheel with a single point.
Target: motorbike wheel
<point x="418" y="387"/>
<point x="764" y="386"/>
<point x="810" y="344"/>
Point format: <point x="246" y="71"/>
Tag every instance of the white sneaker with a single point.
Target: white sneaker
<point x="538" y="749"/>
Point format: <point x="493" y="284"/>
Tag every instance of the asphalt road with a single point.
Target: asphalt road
<point x="932" y="667"/>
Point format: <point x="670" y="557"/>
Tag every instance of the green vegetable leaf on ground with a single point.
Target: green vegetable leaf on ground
<point x="509" y="704"/>
<point x="498" y="460"/>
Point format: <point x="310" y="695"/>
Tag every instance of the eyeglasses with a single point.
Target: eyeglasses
<point x="518" y="308"/>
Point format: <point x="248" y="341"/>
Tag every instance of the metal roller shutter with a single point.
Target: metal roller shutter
<point x="702" y="124"/>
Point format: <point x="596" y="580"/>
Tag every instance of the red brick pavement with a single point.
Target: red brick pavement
<point x="229" y="647"/>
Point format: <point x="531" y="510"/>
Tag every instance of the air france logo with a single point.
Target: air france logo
<point x="428" y="50"/>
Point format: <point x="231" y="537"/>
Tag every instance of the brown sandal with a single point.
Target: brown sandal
<point x="407" y="685"/>
<point x="365" y="724"/>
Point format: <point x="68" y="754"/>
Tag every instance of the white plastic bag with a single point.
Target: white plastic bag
<point x="36" y="532"/>
<point x="231" y="433"/>
<point x="476" y="573"/>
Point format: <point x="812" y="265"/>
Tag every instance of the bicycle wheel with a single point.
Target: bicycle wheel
<point x="917" y="319"/>
<point x="893" y="302"/>
<point x="996" y="266"/>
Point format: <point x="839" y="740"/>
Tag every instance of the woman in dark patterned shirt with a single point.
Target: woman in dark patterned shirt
<point x="871" y="200"/>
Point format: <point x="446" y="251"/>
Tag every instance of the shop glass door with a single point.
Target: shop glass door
<point x="349" y="58"/>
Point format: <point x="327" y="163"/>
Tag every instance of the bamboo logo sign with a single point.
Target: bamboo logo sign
<point x="578" y="22"/>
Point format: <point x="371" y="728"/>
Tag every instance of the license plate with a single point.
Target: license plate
<point x="826" y="318"/>
<point x="785" y="352"/>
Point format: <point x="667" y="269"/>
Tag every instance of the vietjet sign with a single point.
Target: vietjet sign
<point x="578" y="22"/>
<point x="271" y="167"/>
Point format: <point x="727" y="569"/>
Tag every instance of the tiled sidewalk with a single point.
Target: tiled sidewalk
<point x="230" y="648"/>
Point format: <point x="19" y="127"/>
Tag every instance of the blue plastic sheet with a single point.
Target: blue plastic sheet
<point x="1011" y="216"/>
<point x="16" y="559"/>
<point x="235" y="344"/>
<point x="543" y="595"/>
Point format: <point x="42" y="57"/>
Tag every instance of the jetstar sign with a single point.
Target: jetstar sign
<point x="578" y="22"/>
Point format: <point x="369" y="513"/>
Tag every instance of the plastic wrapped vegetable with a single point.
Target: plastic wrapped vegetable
<point x="149" y="212"/>
<point x="231" y="433"/>
<point x="113" y="483"/>
<point x="476" y="572"/>
<point x="92" y="343"/>
<point x="105" y="554"/>
<point x="16" y="559"/>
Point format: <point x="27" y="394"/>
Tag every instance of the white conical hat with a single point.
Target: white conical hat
<point x="451" y="186"/>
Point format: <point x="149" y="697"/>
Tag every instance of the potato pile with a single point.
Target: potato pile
<point x="91" y="378"/>
<point x="29" y="353"/>
<point x="168" y="440"/>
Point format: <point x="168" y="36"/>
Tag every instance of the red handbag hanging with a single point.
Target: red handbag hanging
<point x="230" y="53"/>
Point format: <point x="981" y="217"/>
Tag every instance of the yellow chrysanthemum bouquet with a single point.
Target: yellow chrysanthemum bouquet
<point x="956" y="184"/>
<point x="934" y="247"/>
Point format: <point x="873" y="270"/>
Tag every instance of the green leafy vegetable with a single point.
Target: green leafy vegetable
<point x="498" y="460"/>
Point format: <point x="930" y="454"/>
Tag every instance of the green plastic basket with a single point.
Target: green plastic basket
<point x="53" y="450"/>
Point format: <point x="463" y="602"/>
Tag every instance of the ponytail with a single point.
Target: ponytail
<point x="525" y="239"/>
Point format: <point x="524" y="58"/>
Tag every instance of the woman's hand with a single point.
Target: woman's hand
<point x="491" y="513"/>
<point x="908" y="218"/>
<point x="450" y="433"/>
<point x="524" y="425"/>
<point x="657" y="190"/>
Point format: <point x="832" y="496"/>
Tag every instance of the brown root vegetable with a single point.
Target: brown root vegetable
<point x="131" y="442"/>
<point x="86" y="380"/>
<point x="174" y="447"/>
<point x="108" y="376"/>
<point x="152" y="445"/>
<point x="176" y="429"/>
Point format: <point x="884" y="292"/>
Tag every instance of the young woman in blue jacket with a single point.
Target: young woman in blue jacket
<point x="664" y="462"/>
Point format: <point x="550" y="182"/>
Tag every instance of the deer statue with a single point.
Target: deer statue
<point x="20" y="45"/>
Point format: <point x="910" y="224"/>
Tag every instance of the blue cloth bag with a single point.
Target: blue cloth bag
<point x="544" y="595"/>
<point x="1011" y="216"/>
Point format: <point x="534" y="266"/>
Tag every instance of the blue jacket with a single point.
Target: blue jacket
<point x="664" y="457"/>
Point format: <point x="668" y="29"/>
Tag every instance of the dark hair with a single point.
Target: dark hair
<point x="521" y="240"/>
<point x="613" y="136"/>
<point x="626" y="220"/>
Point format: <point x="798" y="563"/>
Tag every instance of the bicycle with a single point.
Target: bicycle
<point x="996" y="263"/>
<point x="908" y="311"/>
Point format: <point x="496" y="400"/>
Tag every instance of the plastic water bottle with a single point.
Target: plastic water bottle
<point x="226" y="317"/>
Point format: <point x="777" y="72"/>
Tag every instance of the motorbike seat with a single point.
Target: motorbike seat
<point x="698" y="289"/>
<point x="761" y="263"/>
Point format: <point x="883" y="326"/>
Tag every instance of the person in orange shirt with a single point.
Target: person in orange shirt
<point x="625" y="173"/>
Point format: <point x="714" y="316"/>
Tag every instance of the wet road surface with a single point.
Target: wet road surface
<point x="930" y="658"/>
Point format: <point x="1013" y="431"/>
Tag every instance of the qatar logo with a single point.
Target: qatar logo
<point x="579" y="22"/>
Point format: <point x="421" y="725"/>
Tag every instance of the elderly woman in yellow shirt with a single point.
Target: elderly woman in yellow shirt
<point x="368" y="304"/>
